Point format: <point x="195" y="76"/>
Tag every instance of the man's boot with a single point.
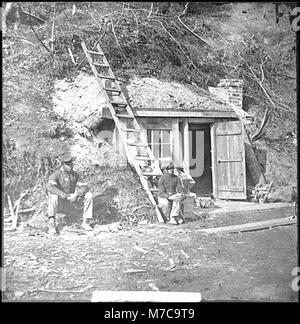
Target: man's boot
<point x="180" y="220"/>
<point x="51" y="226"/>
<point x="173" y="220"/>
<point x="86" y="226"/>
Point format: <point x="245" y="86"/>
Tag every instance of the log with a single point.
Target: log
<point x="134" y="271"/>
<point x="146" y="296"/>
<point x="140" y="249"/>
<point x="250" y="226"/>
<point x="199" y="215"/>
<point x="92" y="122"/>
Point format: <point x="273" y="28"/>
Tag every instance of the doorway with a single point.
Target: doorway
<point x="200" y="159"/>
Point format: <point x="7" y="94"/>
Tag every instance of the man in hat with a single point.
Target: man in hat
<point x="63" y="194"/>
<point x="171" y="195"/>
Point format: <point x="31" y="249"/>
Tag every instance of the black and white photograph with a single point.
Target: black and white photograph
<point x="149" y="154"/>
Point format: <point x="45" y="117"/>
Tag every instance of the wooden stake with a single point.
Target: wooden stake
<point x="11" y="207"/>
<point x="15" y="216"/>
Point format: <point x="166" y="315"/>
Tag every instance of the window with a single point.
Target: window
<point x="159" y="141"/>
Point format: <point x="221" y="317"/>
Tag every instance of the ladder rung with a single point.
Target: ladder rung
<point x="137" y="144"/>
<point x="118" y="103"/>
<point x="111" y="89"/>
<point x="124" y="116"/>
<point x="105" y="77"/>
<point x="92" y="52"/>
<point x="150" y="174"/>
<point x="131" y="130"/>
<point x="153" y="189"/>
<point x="101" y="64"/>
<point x="146" y="158"/>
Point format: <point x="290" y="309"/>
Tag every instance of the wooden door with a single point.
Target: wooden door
<point x="229" y="169"/>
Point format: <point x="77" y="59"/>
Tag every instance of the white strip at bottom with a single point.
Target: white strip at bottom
<point x="146" y="296"/>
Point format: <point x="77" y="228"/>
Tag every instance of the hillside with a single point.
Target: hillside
<point x="190" y="43"/>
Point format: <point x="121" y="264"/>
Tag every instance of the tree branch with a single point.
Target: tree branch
<point x="117" y="42"/>
<point x="177" y="44"/>
<point x="150" y="12"/>
<point x="268" y="111"/>
<point x="189" y="29"/>
<point x="36" y="35"/>
<point x="52" y="33"/>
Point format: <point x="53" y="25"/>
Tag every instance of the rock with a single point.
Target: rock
<point x="18" y="294"/>
<point x="143" y="222"/>
<point x="80" y="118"/>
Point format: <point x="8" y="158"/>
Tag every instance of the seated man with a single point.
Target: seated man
<point x="62" y="196"/>
<point x="171" y="195"/>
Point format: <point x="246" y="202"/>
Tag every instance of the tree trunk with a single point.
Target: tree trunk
<point x="254" y="169"/>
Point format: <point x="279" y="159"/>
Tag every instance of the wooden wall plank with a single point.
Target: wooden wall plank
<point x="176" y="142"/>
<point x="186" y="114"/>
<point x="213" y="159"/>
<point x="159" y="123"/>
<point x="186" y="152"/>
<point x="230" y="161"/>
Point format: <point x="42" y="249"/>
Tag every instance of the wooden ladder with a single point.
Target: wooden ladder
<point x="135" y="144"/>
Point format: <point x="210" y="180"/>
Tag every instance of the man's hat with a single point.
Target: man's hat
<point x="66" y="158"/>
<point x="170" y="166"/>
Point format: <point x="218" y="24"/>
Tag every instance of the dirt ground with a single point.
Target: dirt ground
<point x="250" y="266"/>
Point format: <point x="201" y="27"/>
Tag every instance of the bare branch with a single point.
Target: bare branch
<point x="100" y="27"/>
<point x="268" y="111"/>
<point x="185" y="9"/>
<point x="71" y="55"/>
<point x="260" y="82"/>
<point x="189" y="29"/>
<point x="136" y="20"/>
<point x="177" y="44"/>
<point x="117" y="42"/>
<point x="52" y="35"/>
<point x="40" y="40"/>
<point x="40" y="20"/>
<point x="264" y="122"/>
<point x="36" y="33"/>
<point x="150" y="12"/>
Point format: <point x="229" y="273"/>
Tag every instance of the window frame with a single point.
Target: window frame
<point x="161" y="143"/>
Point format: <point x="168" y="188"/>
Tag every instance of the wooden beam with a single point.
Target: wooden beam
<point x="250" y="226"/>
<point x="146" y="296"/>
<point x="159" y="123"/>
<point x="106" y="113"/>
<point x="214" y="159"/>
<point x="175" y="142"/>
<point x="201" y="120"/>
<point x="183" y="113"/>
<point x="186" y="145"/>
